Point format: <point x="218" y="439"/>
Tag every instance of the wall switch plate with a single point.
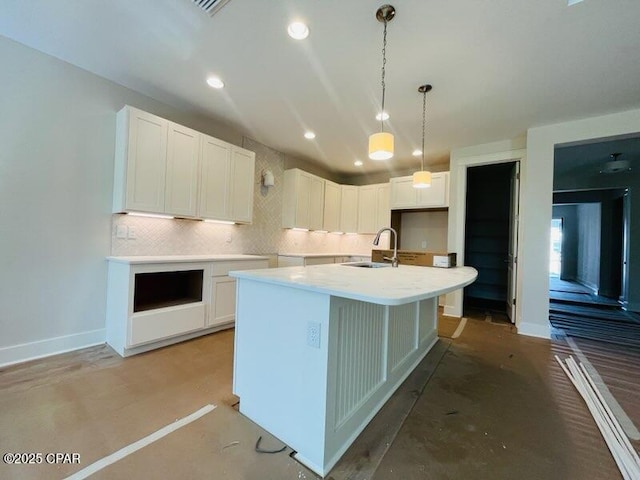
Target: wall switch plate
<point x="122" y="231"/>
<point x="132" y="233"/>
<point x="313" y="334"/>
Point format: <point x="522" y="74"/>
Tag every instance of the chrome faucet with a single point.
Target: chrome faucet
<point x="394" y="259"/>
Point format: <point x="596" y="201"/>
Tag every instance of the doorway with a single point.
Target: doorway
<point x="555" y="248"/>
<point x="490" y="240"/>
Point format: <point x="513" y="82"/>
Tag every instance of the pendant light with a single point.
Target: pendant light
<point x="381" y="143"/>
<point x="422" y="179"/>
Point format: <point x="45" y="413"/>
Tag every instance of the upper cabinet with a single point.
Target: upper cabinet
<point x="141" y="161"/>
<point x="242" y="181"/>
<point x="373" y="208"/>
<point x="313" y="203"/>
<point x="226" y="181"/>
<point x="349" y="209"/>
<point x="404" y="196"/>
<point x="163" y="167"/>
<point x="332" y="205"/>
<point x="181" y="181"/>
<point x="303" y="200"/>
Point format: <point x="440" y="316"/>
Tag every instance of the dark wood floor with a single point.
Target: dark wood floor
<point x="578" y="313"/>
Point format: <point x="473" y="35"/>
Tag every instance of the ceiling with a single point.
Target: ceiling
<point x="592" y="157"/>
<point x="497" y="67"/>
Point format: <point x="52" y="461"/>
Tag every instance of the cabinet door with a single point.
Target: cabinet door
<point x="316" y="203"/>
<point x="146" y="162"/>
<point x="434" y="196"/>
<point x="318" y="261"/>
<point x="242" y="182"/>
<point x="215" y="170"/>
<point x="223" y="301"/>
<point x="181" y="186"/>
<point x="367" y="209"/>
<point x="349" y="210"/>
<point x="403" y="195"/>
<point x="383" y="212"/>
<point x="332" y="196"/>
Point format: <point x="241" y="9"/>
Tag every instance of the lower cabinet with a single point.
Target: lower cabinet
<point x="154" y="303"/>
<point x="223" y="301"/>
<point x="305" y="261"/>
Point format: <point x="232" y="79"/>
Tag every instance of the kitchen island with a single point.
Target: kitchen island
<point x="320" y="349"/>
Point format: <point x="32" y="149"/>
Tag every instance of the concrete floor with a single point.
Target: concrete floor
<point x="489" y="404"/>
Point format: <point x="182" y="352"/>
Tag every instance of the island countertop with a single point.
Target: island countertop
<point x="383" y="286"/>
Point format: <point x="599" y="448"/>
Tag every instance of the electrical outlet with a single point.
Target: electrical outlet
<point x="313" y="334"/>
<point x="424" y="244"/>
<point x="121" y="231"/>
<point x="132" y="233"/>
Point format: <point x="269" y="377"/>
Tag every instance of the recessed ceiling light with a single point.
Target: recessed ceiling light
<point x="309" y="135"/>
<point x="382" y="116"/>
<point x="298" y="30"/>
<point x="358" y="163"/>
<point x="215" y="82"/>
<point x="417" y="153"/>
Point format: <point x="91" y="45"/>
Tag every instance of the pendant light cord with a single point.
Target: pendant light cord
<point x="424" y="113"/>
<point x="384" y="63"/>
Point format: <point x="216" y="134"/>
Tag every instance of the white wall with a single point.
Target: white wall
<point x="537" y="188"/>
<point x="419" y="227"/>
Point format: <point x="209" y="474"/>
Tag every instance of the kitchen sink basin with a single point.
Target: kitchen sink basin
<point x="366" y="264"/>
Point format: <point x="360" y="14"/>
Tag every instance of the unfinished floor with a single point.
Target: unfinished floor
<point x="489" y="404"/>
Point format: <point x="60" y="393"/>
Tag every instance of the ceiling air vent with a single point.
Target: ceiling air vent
<point x="210" y="6"/>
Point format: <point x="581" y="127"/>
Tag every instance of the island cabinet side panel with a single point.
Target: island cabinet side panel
<point x="372" y="350"/>
<point x="280" y="378"/>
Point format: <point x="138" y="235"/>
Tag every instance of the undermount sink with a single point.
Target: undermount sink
<point x="366" y="264"/>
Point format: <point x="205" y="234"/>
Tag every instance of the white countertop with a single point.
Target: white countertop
<point x="384" y="286"/>
<point x="321" y="255"/>
<point x="141" y="259"/>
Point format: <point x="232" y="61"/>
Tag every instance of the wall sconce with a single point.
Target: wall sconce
<point x="267" y="178"/>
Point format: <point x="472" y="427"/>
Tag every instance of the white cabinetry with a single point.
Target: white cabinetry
<point x="181" y="183"/>
<point x="242" y="181"/>
<point x="223" y="290"/>
<point x="349" y="209"/>
<point x="303" y="200"/>
<point x="155" y="303"/>
<point x="373" y="208"/>
<point x="404" y="196"/>
<point x="332" y="204"/>
<point x="140" y="163"/>
<point x="304" y="260"/>
<point x="226" y="181"/>
<point x="163" y="167"/>
<point x="215" y="170"/>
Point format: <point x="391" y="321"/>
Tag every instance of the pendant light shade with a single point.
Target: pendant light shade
<point x="381" y="146"/>
<point x="422" y="178"/>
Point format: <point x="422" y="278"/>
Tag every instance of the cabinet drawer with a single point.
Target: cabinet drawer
<point x="220" y="269"/>
<point x="157" y="324"/>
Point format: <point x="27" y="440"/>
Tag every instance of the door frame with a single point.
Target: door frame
<point x="460" y="161"/>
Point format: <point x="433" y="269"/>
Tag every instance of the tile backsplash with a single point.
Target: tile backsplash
<point x="157" y="236"/>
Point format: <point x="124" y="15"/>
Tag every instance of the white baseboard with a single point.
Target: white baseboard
<point x="534" y="330"/>
<point x="451" y="311"/>
<point x="51" y="346"/>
